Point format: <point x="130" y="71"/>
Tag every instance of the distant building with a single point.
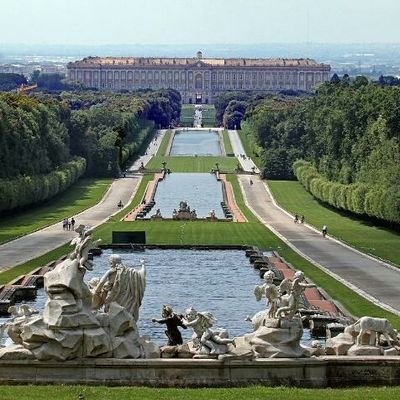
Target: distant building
<point x="198" y="79"/>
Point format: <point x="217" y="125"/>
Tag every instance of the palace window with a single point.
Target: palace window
<point x="198" y="82"/>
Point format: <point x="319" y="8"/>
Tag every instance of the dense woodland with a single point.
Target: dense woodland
<point x="11" y="81"/>
<point x="48" y="142"/>
<point x="348" y="133"/>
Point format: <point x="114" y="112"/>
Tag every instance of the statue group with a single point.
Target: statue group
<point x="99" y="319"/>
<point x="184" y="212"/>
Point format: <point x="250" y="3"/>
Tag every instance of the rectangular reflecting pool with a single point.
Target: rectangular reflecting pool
<point x="219" y="281"/>
<point x="202" y="192"/>
<point x="196" y="142"/>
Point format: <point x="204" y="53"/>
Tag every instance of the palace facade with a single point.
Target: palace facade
<point x="198" y="79"/>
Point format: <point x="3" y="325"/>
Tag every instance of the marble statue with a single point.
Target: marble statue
<point x="184" y="212"/>
<point x="270" y="292"/>
<point x="294" y="300"/>
<point x="122" y="285"/>
<point x="172" y="321"/>
<point x="157" y="215"/>
<point x="78" y="320"/>
<point x="206" y="340"/>
<point x="362" y="338"/>
<point x="277" y="330"/>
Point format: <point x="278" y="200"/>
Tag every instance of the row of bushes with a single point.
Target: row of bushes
<point x="359" y="198"/>
<point x="144" y="137"/>
<point x="26" y="190"/>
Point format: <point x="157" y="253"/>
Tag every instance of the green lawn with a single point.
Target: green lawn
<point x="358" y="233"/>
<point x="208" y="115"/>
<point x="162" y="149"/>
<point x="82" y="195"/>
<point x="187" y="114"/>
<point x="68" y="392"/>
<point x="227" y="142"/>
<point x="193" y="164"/>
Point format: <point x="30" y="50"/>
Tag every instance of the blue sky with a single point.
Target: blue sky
<point x="198" y="21"/>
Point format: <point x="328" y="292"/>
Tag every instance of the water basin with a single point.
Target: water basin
<point x="196" y="142"/>
<point x="202" y="192"/>
<point x="219" y="281"/>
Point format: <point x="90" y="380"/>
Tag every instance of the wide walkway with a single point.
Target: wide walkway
<point x="374" y="279"/>
<point x="238" y="149"/>
<point x="38" y="243"/>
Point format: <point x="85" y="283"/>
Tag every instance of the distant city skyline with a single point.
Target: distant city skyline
<point x="108" y="22"/>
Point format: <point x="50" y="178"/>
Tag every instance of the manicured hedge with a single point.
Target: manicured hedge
<point x="374" y="201"/>
<point x="27" y="190"/>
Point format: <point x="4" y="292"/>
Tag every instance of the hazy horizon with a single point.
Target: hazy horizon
<point x="188" y="22"/>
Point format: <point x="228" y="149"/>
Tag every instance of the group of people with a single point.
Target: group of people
<point x="68" y="224"/>
<point x="298" y="219"/>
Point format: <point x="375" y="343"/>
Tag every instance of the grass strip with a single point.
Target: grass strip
<point x="227" y="143"/>
<point x="162" y="149"/>
<point x="193" y="164"/>
<point x="80" y="196"/>
<point x="358" y="233"/>
<point x="68" y="392"/>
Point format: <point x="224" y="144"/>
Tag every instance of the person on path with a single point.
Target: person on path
<point x="296" y="219"/>
<point x="64" y="224"/>
<point x="302" y="219"/>
<point x="72" y="223"/>
<point x="324" y="230"/>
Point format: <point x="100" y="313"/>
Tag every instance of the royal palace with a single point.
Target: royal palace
<point x="198" y="79"/>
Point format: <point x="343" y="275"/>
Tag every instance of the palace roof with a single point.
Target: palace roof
<point x="216" y="62"/>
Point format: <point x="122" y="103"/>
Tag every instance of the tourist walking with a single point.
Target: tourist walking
<point x="302" y="219"/>
<point x="324" y="230"/>
<point x="64" y="224"/>
<point x="296" y="219"/>
<point x="72" y="223"/>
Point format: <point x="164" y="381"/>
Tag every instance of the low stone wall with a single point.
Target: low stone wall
<point x="321" y="372"/>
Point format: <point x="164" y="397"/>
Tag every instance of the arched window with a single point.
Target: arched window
<point x="198" y="82"/>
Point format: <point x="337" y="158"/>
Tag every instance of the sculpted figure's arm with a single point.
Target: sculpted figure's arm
<point x="103" y="281"/>
<point x="191" y="323"/>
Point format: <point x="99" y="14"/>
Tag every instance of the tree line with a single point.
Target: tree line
<point x="348" y="134"/>
<point x="48" y="141"/>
